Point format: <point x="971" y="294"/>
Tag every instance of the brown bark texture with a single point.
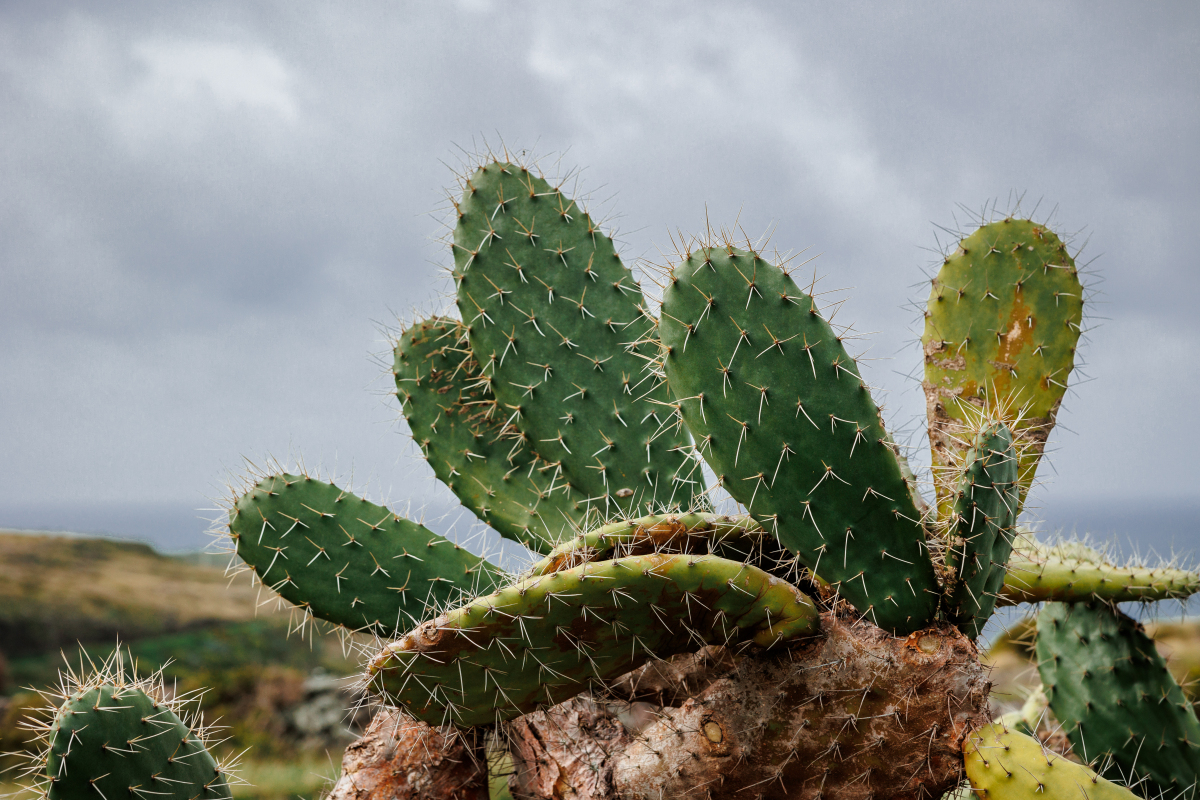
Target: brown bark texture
<point x="399" y="758"/>
<point x="851" y="713"/>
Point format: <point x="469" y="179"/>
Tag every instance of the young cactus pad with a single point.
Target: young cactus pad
<point x="542" y="640"/>
<point x="558" y="323"/>
<point x="982" y="528"/>
<point x="460" y="428"/>
<point x="1073" y="572"/>
<point x="115" y="737"/>
<point x="347" y="560"/>
<point x="782" y="415"/>
<point x="1003" y="764"/>
<point x="1113" y="693"/>
<point x="1001" y="327"/>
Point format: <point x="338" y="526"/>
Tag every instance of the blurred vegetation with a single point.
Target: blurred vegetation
<point x="63" y="599"/>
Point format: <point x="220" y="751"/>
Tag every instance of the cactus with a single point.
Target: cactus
<point x="567" y="412"/>
<point x="982" y="527"/>
<point x="1004" y="764"/>
<point x="542" y="640"/>
<point x="347" y="560"/>
<point x="111" y="735"/>
<point x="1111" y="690"/>
<point x="1001" y="327"/>
<point x="781" y="413"/>
<point x="504" y="482"/>
<point x="558" y="324"/>
<point x="1074" y="571"/>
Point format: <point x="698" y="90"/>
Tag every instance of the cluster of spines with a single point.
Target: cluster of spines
<point x="106" y="733"/>
<point x="781" y="413"/>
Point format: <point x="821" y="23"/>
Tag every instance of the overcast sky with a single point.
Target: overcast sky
<point x="209" y="211"/>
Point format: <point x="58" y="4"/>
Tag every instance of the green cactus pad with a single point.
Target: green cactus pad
<point x="1111" y="690"/>
<point x="1001" y="327"/>
<point x="347" y="560"/>
<point x="780" y="412"/>
<point x="116" y="741"/>
<point x="1073" y="572"/>
<point x="459" y="426"/>
<point x="558" y="323"/>
<point x="543" y="639"/>
<point x="1004" y="764"/>
<point x="982" y="528"/>
<point x="735" y="538"/>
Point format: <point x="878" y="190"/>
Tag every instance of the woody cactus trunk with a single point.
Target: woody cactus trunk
<point x="821" y="643"/>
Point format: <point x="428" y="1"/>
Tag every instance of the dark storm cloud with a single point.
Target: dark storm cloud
<point x="205" y="207"/>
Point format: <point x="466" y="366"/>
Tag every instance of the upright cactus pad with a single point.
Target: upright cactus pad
<point x="559" y="325"/>
<point x="982" y="528"/>
<point x="543" y="639"/>
<point x="781" y="413"/>
<point x="1073" y="572"/>
<point x="1004" y="764"/>
<point x="460" y="428"/>
<point x="347" y="560"/>
<point x="1111" y="690"/>
<point x="112" y="736"/>
<point x="1001" y="327"/>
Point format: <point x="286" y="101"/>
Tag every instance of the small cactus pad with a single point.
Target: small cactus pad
<point x="543" y="639"/>
<point x="558" y="323"/>
<point x="1113" y="694"/>
<point x="1073" y="572"/>
<point x="347" y="560"/>
<point x="736" y="538"/>
<point x="781" y="413"/>
<point x="982" y="528"/>
<point x="459" y="426"/>
<point x="1004" y="764"/>
<point x="1030" y="716"/>
<point x="1001" y="327"/>
<point x="109" y="735"/>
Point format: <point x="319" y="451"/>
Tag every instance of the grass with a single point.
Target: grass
<point x="57" y="590"/>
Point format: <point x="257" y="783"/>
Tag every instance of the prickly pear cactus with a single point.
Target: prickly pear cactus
<point x="560" y="326"/>
<point x="110" y="735"/>
<point x="1111" y="690"/>
<point x="1001" y="328"/>
<point x="818" y="644"/>
<point x="784" y="418"/>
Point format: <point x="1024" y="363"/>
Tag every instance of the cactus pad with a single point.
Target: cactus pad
<point x="543" y="639"/>
<point x="1006" y="765"/>
<point x="735" y="538"/>
<point x="781" y="413"/>
<point x="1073" y="571"/>
<point x="558" y="323"/>
<point x="1001" y="327"/>
<point x="982" y="528"/>
<point x="111" y="736"/>
<point x="459" y="426"/>
<point x="347" y="560"/>
<point x="1113" y="693"/>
